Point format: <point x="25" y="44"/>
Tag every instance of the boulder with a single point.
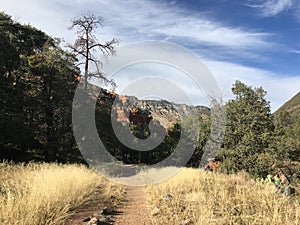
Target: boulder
<point x="155" y="211"/>
<point x="107" y="210"/>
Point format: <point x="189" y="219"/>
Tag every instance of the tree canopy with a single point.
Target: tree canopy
<point x="37" y="82"/>
<point x="249" y="128"/>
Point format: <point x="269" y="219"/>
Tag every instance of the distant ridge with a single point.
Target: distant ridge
<point x="292" y="105"/>
<point x="167" y="113"/>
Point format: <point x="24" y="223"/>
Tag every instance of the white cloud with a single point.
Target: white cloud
<point x="272" y="7"/>
<point x="152" y="20"/>
<point x="133" y="20"/>
<point x="295" y="51"/>
<point x="297" y="12"/>
<point x="48" y="16"/>
<point x="159" y="81"/>
<point x="279" y="87"/>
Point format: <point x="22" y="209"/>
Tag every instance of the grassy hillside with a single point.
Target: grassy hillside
<point x="46" y="194"/>
<point x="197" y="197"/>
<point x="287" y="122"/>
<point x="292" y="105"/>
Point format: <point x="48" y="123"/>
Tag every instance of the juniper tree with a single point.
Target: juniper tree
<point x="248" y="130"/>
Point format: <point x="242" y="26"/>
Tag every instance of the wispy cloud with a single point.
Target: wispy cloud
<point x="133" y="20"/>
<point x="153" y="20"/>
<point x="294" y="51"/>
<point x="279" y="87"/>
<point x="272" y="7"/>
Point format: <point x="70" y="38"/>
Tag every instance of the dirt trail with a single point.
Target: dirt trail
<point x="135" y="210"/>
<point x="87" y="209"/>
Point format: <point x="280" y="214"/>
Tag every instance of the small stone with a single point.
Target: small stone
<point x="288" y="190"/>
<point x="86" y="219"/>
<point x="168" y="196"/>
<point x="104" y="220"/>
<point x="235" y="211"/>
<point x="97" y="213"/>
<point x="107" y="210"/>
<point x="155" y="211"/>
<point x="185" y="222"/>
<point x="93" y="221"/>
<point x="182" y="208"/>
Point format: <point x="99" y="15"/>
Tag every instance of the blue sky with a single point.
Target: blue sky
<point x="255" y="41"/>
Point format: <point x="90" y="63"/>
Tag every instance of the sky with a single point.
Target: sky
<point x="254" y="41"/>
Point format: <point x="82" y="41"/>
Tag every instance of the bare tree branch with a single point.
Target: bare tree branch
<point x="86" y="43"/>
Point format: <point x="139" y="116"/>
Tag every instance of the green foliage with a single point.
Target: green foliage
<point x="120" y="151"/>
<point x="286" y="139"/>
<point x="191" y="139"/>
<point x="292" y="106"/>
<point x="248" y="130"/>
<point x="200" y="138"/>
<point x="16" y="43"/>
<point x="54" y="73"/>
<point x="270" y="180"/>
<point x="287" y="136"/>
<point x="37" y="84"/>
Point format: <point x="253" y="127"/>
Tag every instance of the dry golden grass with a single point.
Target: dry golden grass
<point x="210" y="198"/>
<point x="38" y="194"/>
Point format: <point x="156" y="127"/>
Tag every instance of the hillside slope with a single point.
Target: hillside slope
<point x="292" y="105"/>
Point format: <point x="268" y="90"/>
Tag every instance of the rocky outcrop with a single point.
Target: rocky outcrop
<point x="139" y="116"/>
<point x="131" y="109"/>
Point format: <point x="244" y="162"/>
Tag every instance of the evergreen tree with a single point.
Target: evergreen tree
<point x="54" y="73"/>
<point x="248" y="130"/>
<point x="286" y="140"/>
<point x="37" y="83"/>
<point x="16" y="43"/>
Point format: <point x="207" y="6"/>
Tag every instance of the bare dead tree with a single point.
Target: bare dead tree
<point x="86" y="45"/>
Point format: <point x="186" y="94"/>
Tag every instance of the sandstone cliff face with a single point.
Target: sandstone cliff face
<point x="131" y="109"/>
<point x="168" y="113"/>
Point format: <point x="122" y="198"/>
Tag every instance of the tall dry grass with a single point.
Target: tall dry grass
<point x="209" y="198"/>
<point x="38" y="194"/>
